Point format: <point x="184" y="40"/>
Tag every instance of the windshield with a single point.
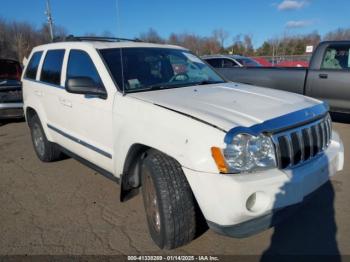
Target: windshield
<point x="147" y="69"/>
<point x="248" y="62"/>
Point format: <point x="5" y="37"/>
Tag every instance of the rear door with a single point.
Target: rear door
<point x="331" y="82"/>
<point x="50" y="88"/>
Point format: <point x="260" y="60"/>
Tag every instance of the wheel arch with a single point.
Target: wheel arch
<point x="131" y="176"/>
<point x="29" y="113"/>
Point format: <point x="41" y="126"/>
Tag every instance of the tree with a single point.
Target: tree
<point x="338" y="34"/>
<point x="151" y="36"/>
<point x="220" y="35"/>
<point x="241" y="47"/>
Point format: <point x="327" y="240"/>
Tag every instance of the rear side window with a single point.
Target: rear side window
<point x="81" y="65"/>
<point x="336" y="57"/>
<point x="52" y="67"/>
<point x="33" y="64"/>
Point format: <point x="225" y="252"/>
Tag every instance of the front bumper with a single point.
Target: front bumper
<point x="223" y="198"/>
<point x="11" y="110"/>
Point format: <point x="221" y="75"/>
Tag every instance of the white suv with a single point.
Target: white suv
<point x="157" y="117"/>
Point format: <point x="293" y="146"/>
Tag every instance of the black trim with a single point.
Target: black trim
<point x="72" y="38"/>
<point x="87" y="163"/>
<point x="77" y="140"/>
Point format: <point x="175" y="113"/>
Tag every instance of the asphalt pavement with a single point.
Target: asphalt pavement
<point x="66" y="208"/>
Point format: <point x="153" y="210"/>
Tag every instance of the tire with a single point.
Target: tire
<point x="169" y="203"/>
<point x="44" y="149"/>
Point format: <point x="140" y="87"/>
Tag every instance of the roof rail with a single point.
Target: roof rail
<point x="96" y="38"/>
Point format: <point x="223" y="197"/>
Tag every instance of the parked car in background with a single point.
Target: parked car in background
<point x="157" y="117"/>
<point x="11" y="101"/>
<point x="229" y="61"/>
<point x="327" y="77"/>
<point x="293" y="64"/>
<point x="262" y="61"/>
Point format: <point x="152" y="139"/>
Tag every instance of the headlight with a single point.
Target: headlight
<point x="247" y="153"/>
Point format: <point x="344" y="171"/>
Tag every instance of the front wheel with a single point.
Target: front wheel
<point x="168" y="200"/>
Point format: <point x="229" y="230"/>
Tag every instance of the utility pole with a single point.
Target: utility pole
<point x="49" y="18"/>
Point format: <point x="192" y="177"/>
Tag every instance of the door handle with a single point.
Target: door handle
<point x="65" y="102"/>
<point x="323" y="76"/>
<point x="68" y="103"/>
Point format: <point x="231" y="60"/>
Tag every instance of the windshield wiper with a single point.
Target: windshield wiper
<point x="164" y="86"/>
<point x="207" y="82"/>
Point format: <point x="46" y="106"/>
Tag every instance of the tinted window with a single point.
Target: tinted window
<point x="33" y="64"/>
<point x="217" y="63"/>
<point x="248" y="62"/>
<point x="81" y="65"/>
<point x="229" y="63"/>
<point x="336" y="57"/>
<point x="51" y="72"/>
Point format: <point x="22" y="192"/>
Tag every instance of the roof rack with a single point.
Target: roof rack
<point x="96" y="38"/>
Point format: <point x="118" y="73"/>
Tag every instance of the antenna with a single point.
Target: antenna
<point x="49" y="18"/>
<point x="121" y="49"/>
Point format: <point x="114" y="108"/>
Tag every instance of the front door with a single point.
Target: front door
<point x="89" y="117"/>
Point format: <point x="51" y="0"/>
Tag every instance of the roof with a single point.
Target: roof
<point x="103" y="45"/>
<point x="223" y="56"/>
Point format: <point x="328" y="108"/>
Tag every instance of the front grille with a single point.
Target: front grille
<point x="295" y="146"/>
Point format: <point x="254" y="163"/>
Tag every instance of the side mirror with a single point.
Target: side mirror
<point x="84" y="86"/>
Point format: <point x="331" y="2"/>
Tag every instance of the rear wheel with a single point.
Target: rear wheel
<point x="168" y="200"/>
<point x="44" y="149"/>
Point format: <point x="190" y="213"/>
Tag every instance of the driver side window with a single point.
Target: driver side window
<point x="81" y="65"/>
<point x="229" y="63"/>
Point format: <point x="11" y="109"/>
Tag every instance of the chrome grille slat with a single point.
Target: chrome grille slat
<point x="324" y="135"/>
<point x="278" y="152"/>
<point x="290" y="149"/>
<point x="308" y="130"/>
<point x="318" y="138"/>
<point x="328" y="128"/>
<point x="303" y="143"/>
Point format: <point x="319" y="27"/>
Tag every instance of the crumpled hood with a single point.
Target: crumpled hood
<point x="228" y="105"/>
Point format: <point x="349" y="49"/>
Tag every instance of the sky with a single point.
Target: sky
<point x="262" y="19"/>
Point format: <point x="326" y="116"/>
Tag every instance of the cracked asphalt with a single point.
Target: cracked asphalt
<point x="67" y="208"/>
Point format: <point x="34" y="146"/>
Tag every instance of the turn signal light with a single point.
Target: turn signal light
<point x="219" y="159"/>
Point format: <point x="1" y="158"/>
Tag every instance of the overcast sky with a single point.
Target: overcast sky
<point x="263" y="19"/>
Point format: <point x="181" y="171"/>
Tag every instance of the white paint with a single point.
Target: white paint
<point x="115" y="124"/>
